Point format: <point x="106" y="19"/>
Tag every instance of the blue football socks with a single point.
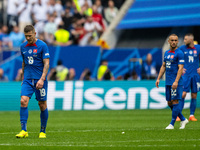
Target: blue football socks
<point x="23" y="117"/>
<point x="44" y="117"/>
<point x="180" y="115"/>
<point x="193" y="106"/>
<point x="181" y="103"/>
<point x="175" y="112"/>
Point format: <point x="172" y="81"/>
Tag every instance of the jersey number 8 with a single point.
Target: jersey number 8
<point x="30" y="60"/>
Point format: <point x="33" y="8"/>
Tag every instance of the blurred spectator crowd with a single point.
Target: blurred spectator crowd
<point x="66" y="22"/>
<point x="58" y="22"/>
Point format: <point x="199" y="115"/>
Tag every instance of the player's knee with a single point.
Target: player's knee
<point x="169" y="103"/>
<point x="24" y="101"/>
<point x="194" y="95"/>
<point x="175" y="102"/>
<point x="42" y="105"/>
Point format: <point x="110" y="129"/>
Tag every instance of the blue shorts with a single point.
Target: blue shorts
<point x="191" y="83"/>
<point x="173" y="94"/>
<point x="29" y="87"/>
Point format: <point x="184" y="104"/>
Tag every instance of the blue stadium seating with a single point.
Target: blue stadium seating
<point x="161" y="13"/>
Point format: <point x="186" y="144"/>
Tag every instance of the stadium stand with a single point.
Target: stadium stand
<point x="161" y="13"/>
<point x="138" y="26"/>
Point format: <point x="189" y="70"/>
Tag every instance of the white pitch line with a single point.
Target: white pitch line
<point x="100" y="142"/>
<point x="107" y="130"/>
<point x="102" y="145"/>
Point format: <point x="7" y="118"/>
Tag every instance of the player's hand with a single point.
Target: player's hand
<point x="174" y="85"/>
<point x="157" y="83"/>
<point x="40" y="84"/>
<point x="198" y="71"/>
<point x="184" y="70"/>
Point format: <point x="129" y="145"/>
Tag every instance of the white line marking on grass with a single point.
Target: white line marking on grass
<point x="102" y="130"/>
<point x="92" y="145"/>
<point x="3" y="144"/>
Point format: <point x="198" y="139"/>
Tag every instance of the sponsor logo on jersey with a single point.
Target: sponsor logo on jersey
<point x="195" y="53"/>
<point x="46" y="54"/>
<point x="35" y="51"/>
<point x="30" y="51"/>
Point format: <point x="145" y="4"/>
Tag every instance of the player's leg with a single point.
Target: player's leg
<point x="43" y="115"/>
<point x="182" y="100"/>
<point x="176" y="110"/>
<point x="23" y="117"/>
<point x="175" y="113"/>
<point x="24" y="112"/>
<point x="178" y="97"/>
<point x="187" y="81"/>
<point x="169" y="102"/>
<point x="193" y="107"/>
<point x="26" y="92"/>
<point x="186" y="88"/>
<point x="181" y="105"/>
<point x="194" y="90"/>
<point x="41" y="96"/>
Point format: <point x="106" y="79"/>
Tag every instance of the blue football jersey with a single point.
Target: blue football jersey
<point x="191" y="57"/>
<point x="33" y="56"/>
<point x="172" y="60"/>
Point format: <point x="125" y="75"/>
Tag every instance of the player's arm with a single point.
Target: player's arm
<point x="181" y="48"/>
<point x="161" y="72"/>
<point x="44" y="74"/>
<point x="45" y="69"/>
<point x="178" y="76"/>
<point x="198" y="70"/>
<point x="23" y="64"/>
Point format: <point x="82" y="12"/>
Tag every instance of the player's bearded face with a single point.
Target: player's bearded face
<point x="173" y="41"/>
<point x="30" y="37"/>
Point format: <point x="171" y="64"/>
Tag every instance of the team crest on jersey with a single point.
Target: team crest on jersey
<point x="35" y="51"/>
<point x="190" y="52"/>
<point x="172" y="56"/>
<point x="30" y="51"/>
<point x="168" y="56"/>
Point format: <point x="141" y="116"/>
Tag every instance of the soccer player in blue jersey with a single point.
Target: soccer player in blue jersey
<point x="191" y="72"/>
<point x="173" y="66"/>
<point x="35" y="66"/>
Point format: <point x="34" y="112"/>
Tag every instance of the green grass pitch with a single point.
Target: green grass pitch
<point x="103" y="129"/>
